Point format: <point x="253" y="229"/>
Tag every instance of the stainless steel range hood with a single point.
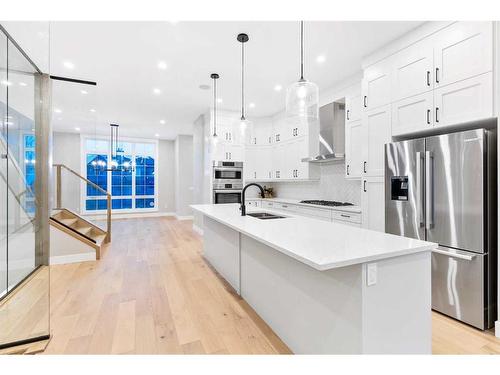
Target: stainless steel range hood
<point x="331" y="134"/>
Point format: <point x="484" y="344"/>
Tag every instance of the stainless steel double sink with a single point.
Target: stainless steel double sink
<point x="265" y="215"/>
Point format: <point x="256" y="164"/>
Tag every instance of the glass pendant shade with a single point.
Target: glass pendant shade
<point x="302" y="97"/>
<point x="302" y="100"/>
<point x="245" y="128"/>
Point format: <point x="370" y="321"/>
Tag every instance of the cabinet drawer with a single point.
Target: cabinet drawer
<point x="315" y="212"/>
<point x="267" y="204"/>
<point x="347" y="216"/>
<point x="284" y="206"/>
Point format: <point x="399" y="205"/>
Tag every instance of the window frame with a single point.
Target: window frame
<point x="133" y="197"/>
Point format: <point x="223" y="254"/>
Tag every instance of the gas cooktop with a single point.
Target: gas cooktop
<point x="327" y="203"/>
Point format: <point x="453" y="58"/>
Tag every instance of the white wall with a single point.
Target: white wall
<point x="199" y="160"/>
<point x="183" y="175"/>
<point x="166" y="176"/>
<point x="66" y="150"/>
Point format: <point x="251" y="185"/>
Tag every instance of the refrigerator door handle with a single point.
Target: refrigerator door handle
<point x="429" y="191"/>
<point x="420" y="196"/>
<point x="450" y="254"/>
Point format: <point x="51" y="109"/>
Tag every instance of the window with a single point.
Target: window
<point x="132" y="184"/>
<point x="29" y="143"/>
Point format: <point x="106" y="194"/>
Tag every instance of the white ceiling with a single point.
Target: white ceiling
<point x="122" y="57"/>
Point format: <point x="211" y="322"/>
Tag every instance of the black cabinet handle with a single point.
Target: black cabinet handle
<point x="364" y="186"/>
<point x="345" y="215"/>
<point x="428" y="116"/>
<point x="437" y="75"/>
<point x="347" y="113"/>
<point x="364" y="101"/>
<point x="348" y="169"/>
<point x="428" y="78"/>
<point x="437" y="112"/>
<point x="364" y="167"/>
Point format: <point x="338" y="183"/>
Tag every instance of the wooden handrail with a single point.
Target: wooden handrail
<point x="81" y="177"/>
<point x="59" y="196"/>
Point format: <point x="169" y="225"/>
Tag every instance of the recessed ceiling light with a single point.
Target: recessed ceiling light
<point x="156" y="91"/>
<point x="162" y="122"/>
<point x="68" y="65"/>
<point x="77" y="129"/>
<point x="162" y="65"/>
<point x="57" y="110"/>
<point x="24" y="84"/>
<point x="251" y="105"/>
<point x="320" y="59"/>
<point x="219" y="100"/>
<point x="278" y="88"/>
<point x="204" y="87"/>
<point x="92" y="110"/>
<point x="6" y="83"/>
<point x="84" y="92"/>
<point x="157" y="135"/>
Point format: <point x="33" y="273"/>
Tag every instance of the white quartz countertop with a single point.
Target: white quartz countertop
<point x="353" y="209"/>
<point x="319" y="244"/>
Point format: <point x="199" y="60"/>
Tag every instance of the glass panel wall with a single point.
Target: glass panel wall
<point x="24" y="272"/>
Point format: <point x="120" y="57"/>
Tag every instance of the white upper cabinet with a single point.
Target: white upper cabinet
<point x="354" y="141"/>
<point x="413" y="70"/>
<point x="462" y="50"/>
<point x="464" y="101"/>
<point x="413" y="114"/>
<point x="377" y="128"/>
<point x="353" y="107"/>
<point x="376" y="85"/>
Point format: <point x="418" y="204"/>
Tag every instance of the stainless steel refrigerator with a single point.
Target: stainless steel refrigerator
<point x="443" y="189"/>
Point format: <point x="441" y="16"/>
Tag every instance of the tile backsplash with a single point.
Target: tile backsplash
<point x="331" y="186"/>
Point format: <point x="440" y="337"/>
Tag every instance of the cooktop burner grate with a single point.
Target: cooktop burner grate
<point x="326" y="203"/>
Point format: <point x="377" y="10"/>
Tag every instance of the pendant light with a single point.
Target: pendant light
<point x="245" y="125"/>
<point x="215" y="137"/>
<point x="302" y="97"/>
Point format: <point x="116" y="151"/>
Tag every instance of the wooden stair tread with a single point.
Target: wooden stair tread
<point x="68" y="222"/>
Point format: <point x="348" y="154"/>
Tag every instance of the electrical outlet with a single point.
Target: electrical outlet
<point x="371" y="274"/>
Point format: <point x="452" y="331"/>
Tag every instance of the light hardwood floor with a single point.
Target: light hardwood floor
<point x="152" y="292"/>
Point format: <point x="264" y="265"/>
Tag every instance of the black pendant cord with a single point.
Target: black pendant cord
<point x="215" y="76"/>
<point x="301" y="50"/>
<point x="215" y="107"/>
<point x="243" y="81"/>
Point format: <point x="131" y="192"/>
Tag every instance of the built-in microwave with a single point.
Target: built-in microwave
<point x="225" y="170"/>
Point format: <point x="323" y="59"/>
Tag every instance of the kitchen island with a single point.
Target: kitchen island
<point x="323" y="287"/>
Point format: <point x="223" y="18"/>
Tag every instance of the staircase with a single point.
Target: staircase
<point x="76" y="238"/>
<point x="79" y="228"/>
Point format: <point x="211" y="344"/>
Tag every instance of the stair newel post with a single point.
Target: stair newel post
<point x="108" y="235"/>
<point x="59" y="184"/>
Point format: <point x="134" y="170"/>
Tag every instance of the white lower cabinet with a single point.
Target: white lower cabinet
<point x="373" y="203"/>
<point x="464" y="101"/>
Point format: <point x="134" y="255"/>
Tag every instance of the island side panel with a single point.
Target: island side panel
<point x="397" y="308"/>
<point x="313" y="312"/>
<point x="221" y="247"/>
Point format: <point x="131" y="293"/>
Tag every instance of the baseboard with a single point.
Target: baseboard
<point x="187" y="217"/>
<point x="197" y="229"/>
<point x="72" y="258"/>
<point x="497" y="328"/>
<point x="130" y="215"/>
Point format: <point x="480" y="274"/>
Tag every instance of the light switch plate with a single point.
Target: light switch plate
<point x="371" y="274"/>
